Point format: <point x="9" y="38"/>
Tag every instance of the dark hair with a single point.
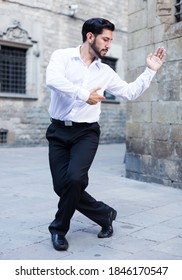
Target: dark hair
<point x="96" y="25"/>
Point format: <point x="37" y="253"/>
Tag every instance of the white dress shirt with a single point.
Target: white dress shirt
<point x="71" y="81"/>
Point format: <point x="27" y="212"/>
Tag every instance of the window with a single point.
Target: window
<point x="12" y="70"/>
<point x="112" y="63"/>
<point x="3" y="136"/>
<point x="178" y="13"/>
<point x="18" y="64"/>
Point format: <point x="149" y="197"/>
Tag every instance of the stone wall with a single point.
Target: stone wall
<point x="49" y="24"/>
<point x="113" y="123"/>
<point x="154" y="121"/>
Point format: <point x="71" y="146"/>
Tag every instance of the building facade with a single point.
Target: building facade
<point x="29" y="32"/>
<point x="154" y="121"/>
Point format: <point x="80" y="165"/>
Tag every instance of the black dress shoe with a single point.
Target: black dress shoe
<point x="59" y="242"/>
<point x="107" y="230"/>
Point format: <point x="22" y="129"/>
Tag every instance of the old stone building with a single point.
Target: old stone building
<point x="154" y="121"/>
<point x="29" y="32"/>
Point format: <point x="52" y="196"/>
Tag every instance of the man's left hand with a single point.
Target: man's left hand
<point x="155" y="60"/>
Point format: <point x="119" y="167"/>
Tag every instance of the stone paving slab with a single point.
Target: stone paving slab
<point x="148" y="224"/>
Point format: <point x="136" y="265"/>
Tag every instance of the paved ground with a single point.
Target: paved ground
<point x="148" y="225"/>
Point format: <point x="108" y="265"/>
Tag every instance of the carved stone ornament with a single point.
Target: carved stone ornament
<point x="17" y="34"/>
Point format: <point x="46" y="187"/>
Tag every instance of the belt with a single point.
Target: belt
<point x="69" y="123"/>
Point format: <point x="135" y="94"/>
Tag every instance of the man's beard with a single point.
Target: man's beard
<point x="96" y="50"/>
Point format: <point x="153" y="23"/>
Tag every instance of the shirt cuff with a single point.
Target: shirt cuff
<point x="83" y="94"/>
<point x="150" y="71"/>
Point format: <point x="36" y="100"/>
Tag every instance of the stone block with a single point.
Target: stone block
<point x="178" y="149"/>
<point x="170" y="90"/>
<point x="176" y="133"/>
<point x="161" y="149"/>
<point x="134" y="129"/>
<point x="141" y="112"/>
<point x="152" y="18"/>
<point x="135" y="5"/>
<point x="137" y="58"/>
<point x="173" y="170"/>
<point x="174" y="30"/>
<point x="161" y="75"/>
<point x="172" y="71"/>
<point x="139" y="38"/>
<point x="139" y="130"/>
<point x="143" y="177"/>
<point x="159" y="132"/>
<point x="137" y="146"/>
<point x="153" y="167"/>
<point x="164" y="170"/>
<point x="151" y="94"/>
<point x="174" y="52"/>
<point x="133" y="162"/>
<point x="137" y="20"/>
<point x="158" y="34"/>
<point x="134" y="73"/>
<point x="164" y="112"/>
<point x="179" y="112"/>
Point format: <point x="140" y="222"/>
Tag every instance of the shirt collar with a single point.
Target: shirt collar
<point x="76" y="53"/>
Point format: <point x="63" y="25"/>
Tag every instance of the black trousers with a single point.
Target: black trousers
<point x="71" y="152"/>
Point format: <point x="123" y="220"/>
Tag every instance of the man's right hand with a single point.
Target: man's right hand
<point x="94" y="97"/>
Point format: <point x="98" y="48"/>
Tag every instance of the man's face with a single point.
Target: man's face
<point x="102" y="43"/>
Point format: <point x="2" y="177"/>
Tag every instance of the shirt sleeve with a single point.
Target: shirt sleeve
<point x="57" y="81"/>
<point x="131" y="91"/>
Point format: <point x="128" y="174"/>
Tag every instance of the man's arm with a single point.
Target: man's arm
<point x="56" y="78"/>
<point x="132" y="90"/>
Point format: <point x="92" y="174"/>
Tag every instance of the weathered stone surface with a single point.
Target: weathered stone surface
<point x="135" y="5"/>
<point x="158" y="34"/>
<point x="174" y="49"/>
<point x="113" y="123"/>
<point x="139" y="38"/>
<point x="138" y="146"/>
<point x="159" y="132"/>
<point x="178" y="149"/>
<point x="176" y="133"/>
<point x="158" y="154"/>
<point x="134" y="162"/>
<point x="165" y="112"/>
<point x="161" y="149"/>
<point x="134" y="129"/>
<point x="140" y="112"/>
<point x="137" y="57"/>
<point x="137" y="20"/>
